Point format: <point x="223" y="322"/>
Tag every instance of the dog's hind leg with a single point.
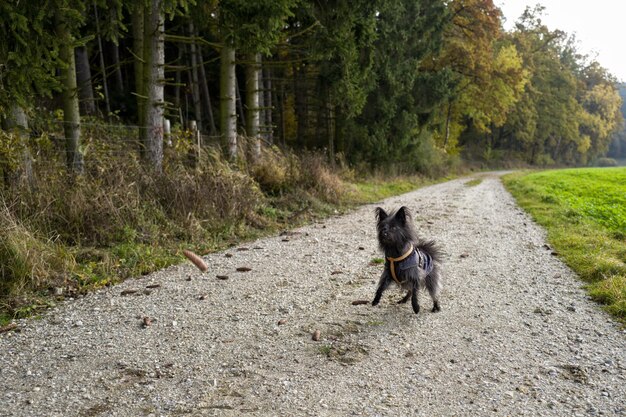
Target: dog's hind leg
<point x="434" y="287"/>
<point x="405" y="298"/>
<point x="414" y="300"/>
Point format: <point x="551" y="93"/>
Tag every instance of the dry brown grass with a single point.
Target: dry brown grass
<point x="280" y="171"/>
<point x="119" y="220"/>
<point x="276" y="171"/>
<point x="28" y="261"/>
<point x="321" y="178"/>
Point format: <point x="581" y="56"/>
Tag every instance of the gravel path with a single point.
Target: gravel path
<point x="516" y="334"/>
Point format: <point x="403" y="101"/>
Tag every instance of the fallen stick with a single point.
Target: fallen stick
<point x="196" y="260"/>
<point x="8" y="327"/>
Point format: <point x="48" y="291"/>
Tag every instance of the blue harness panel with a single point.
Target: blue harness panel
<point x="417" y="259"/>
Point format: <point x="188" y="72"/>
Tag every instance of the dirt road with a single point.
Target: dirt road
<point x="516" y="335"/>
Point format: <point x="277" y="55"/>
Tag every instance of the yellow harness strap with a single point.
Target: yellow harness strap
<point x="401" y="258"/>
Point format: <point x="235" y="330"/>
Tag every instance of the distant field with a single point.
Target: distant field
<point x="584" y="212"/>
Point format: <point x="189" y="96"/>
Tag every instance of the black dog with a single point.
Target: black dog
<point x="409" y="262"/>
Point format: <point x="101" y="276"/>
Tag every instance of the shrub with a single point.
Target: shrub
<point x="606" y="162"/>
<point x="27" y="261"/>
<point x="428" y="159"/>
<point x="320" y="178"/>
<point x="116" y="200"/>
<point x="276" y="171"/>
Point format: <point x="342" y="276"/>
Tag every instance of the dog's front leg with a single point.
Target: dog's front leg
<point x="382" y="286"/>
<point x="405" y="298"/>
<point x="414" y="300"/>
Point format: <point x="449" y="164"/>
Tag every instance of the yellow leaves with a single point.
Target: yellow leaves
<point x="11" y="148"/>
<point x="490" y="71"/>
<point x="488" y="99"/>
<point x="510" y="66"/>
<point x="584" y="144"/>
<point x="604" y="101"/>
<point x="600" y="116"/>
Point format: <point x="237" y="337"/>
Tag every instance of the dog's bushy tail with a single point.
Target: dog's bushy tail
<point x="430" y="247"/>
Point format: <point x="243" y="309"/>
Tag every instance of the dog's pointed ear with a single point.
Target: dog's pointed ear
<point x="403" y="215"/>
<point x="380" y="214"/>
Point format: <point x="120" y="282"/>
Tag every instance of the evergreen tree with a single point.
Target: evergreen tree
<point x="253" y="28"/>
<point x="389" y="125"/>
<point x="67" y="20"/>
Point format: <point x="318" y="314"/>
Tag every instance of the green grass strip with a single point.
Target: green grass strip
<point x="474" y="182"/>
<point x="584" y="213"/>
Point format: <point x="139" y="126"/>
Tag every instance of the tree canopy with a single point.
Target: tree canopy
<point x="404" y="83"/>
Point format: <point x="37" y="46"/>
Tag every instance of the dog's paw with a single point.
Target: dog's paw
<point x="436" y="308"/>
<point x="414" y="303"/>
<point x="405" y="298"/>
<point x="375" y="302"/>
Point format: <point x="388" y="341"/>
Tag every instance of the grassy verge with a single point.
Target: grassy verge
<point x="101" y="233"/>
<point x="373" y="190"/>
<point x="584" y="213"/>
<point x="474" y="182"/>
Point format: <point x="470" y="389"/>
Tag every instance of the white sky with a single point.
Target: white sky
<point x="596" y="24"/>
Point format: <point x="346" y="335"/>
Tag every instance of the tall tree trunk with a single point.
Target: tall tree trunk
<point x="267" y="91"/>
<point x="321" y="114"/>
<point x="83" y="78"/>
<point x="138" y="61"/>
<point x="281" y="113"/>
<point x="188" y="92"/>
<point x="340" y="146"/>
<point x="242" y="115"/>
<point x="448" y="117"/>
<point x="252" y="104"/>
<point x="195" y="88"/>
<point x="330" y="129"/>
<point x="205" y="94"/>
<point x="533" y="153"/>
<point x="17" y="122"/>
<point x="555" y="152"/>
<point x="261" y="107"/>
<point x="154" y="61"/>
<point x="117" y="68"/>
<point x="228" y="112"/>
<point x="115" y="51"/>
<point x="105" y="86"/>
<point x="71" y="113"/>
<point x="302" y="117"/>
<point x="178" y="77"/>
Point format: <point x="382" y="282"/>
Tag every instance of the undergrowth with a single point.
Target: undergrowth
<point x="66" y="235"/>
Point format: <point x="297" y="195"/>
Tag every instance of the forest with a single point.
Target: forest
<point x="135" y="122"/>
<point x="410" y="83"/>
<point x="617" y="148"/>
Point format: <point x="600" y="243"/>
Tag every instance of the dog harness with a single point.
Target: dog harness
<point x="412" y="258"/>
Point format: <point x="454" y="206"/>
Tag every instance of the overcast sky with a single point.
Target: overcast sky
<point x="599" y="25"/>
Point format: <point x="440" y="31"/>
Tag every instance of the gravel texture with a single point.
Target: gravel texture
<point x="516" y="335"/>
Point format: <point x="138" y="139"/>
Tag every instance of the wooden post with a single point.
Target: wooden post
<point x="194" y="153"/>
<point x="193" y="126"/>
<point x="167" y="130"/>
